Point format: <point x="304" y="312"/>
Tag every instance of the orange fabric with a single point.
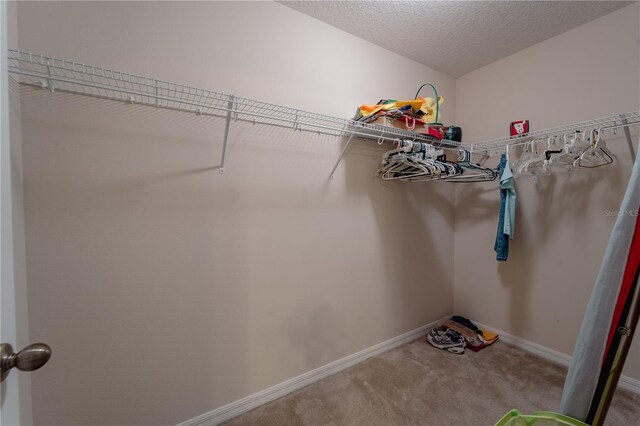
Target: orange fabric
<point x="426" y="105"/>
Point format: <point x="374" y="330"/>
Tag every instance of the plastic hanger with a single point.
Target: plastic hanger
<point x="536" y="158"/>
<point x="597" y="148"/>
<point x="472" y="172"/>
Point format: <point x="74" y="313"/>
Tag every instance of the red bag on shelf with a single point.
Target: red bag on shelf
<point x="519" y="128"/>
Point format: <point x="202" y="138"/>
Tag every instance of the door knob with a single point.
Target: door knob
<point x="30" y="358"/>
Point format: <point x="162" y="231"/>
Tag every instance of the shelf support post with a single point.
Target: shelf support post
<point x="227" y="124"/>
<point x="627" y="134"/>
<point x="344" y="151"/>
<point x="49" y="80"/>
<point x="157" y="100"/>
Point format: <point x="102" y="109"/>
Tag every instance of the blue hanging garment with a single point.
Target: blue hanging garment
<point x="507" y="216"/>
<point x="501" y="245"/>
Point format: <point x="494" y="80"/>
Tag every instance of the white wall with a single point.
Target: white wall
<point x="166" y="289"/>
<point x="562" y="229"/>
<point x="201" y="289"/>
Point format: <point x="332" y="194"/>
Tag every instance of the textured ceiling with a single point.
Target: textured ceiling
<point x="455" y="37"/>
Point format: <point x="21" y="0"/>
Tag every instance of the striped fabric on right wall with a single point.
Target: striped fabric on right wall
<point x="607" y="328"/>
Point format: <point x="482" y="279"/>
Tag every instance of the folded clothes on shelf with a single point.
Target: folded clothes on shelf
<point x="416" y="115"/>
<point x="448" y="333"/>
<point x="420" y="108"/>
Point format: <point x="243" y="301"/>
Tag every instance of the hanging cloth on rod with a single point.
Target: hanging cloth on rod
<point x="508" y="184"/>
<point x="507" y="215"/>
<point x="583" y="393"/>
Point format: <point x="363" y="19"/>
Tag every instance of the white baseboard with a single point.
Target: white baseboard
<point x="250" y="402"/>
<point x="625" y="382"/>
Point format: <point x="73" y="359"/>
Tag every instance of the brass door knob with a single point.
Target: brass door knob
<point x="30" y="358"/>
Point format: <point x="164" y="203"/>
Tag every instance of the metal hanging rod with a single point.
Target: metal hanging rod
<point x="606" y="123"/>
<point x="68" y="76"/>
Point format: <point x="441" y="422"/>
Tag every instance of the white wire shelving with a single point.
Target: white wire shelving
<point x="56" y="74"/>
<point x="63" y="75"/>
<point x="623" y="120"/>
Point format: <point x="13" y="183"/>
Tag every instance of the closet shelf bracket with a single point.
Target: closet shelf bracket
<point x="49" y="83"/>
<point x="627" y="134"/>
<point x="344" y="151"/>
<point x="227" y="124"/>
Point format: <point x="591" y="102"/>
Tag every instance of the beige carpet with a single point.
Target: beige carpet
<point x="417" y="384"/>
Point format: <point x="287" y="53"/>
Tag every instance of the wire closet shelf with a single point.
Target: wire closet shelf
<point x="60" y="74"/>
<point x="606" y="123"/>
<point x="64" y="75"/>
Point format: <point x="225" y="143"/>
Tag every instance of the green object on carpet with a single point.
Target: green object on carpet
<point x="539" y="418"/>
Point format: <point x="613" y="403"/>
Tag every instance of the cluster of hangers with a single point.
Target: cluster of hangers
<point x="420" y="161"/>
<point x="568" y="151"/>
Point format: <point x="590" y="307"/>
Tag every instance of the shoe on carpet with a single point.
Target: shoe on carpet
<point x="447" y="339"/>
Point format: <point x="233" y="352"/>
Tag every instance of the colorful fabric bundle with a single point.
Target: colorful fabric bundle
<point x="474" y="338"/>
<point x="419" y="111"/>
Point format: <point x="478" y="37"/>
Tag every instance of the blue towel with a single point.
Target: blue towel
<point x="501" y="246"/>
<point x="508" y="184"/>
